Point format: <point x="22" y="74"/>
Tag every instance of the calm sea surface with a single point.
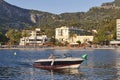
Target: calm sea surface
<point x="100" y="65"/>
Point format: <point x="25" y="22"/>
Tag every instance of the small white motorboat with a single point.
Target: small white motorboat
<point x="60" y="63"/>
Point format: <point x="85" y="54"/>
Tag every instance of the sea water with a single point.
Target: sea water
<point x="101" y="64"/>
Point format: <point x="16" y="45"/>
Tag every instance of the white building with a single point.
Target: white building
<point x="72" y="35"/>
<point x="117" y="33"/>
<point x="118" y="29"/>
<point x="34" y="38"/>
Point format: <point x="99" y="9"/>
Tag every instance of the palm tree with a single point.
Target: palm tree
<point x="79" y="42"/>
<point x="72" y="35"/>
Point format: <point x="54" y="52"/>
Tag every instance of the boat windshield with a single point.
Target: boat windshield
<point x="57" y="56"/>
<point x="67" y="55"/>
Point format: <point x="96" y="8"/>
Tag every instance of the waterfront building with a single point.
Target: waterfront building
<point x="118" y="29"/>
<point x="35" y="38"/>
<point x="72" y="35"/>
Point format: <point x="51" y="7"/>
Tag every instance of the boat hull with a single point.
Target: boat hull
<point x="58" y="64"/>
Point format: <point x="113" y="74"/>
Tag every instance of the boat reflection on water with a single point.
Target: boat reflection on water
<point x="65" y="72"/>
<point x="68" y="71"/>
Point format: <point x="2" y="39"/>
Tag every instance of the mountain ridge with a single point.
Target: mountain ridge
<point x="15" y="17"/>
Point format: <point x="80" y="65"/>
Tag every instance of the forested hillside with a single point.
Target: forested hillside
<point x="102" y="18"/>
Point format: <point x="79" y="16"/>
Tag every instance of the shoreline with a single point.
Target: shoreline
<point x="58" y="48"/>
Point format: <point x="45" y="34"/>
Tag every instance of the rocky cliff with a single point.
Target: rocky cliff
<point x="15" y="17"/>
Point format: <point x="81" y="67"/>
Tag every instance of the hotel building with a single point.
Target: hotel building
<point x="72" y="35"/>
<point x="118" y="29"/>
<point x="35" y="38"/>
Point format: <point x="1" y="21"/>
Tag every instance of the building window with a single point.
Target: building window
<point x="60" y="32"/>
<point x="31" y="40"/>
<point x="39" y="39"/>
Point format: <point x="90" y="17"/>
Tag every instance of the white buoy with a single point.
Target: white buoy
<point x="14" y="53"/>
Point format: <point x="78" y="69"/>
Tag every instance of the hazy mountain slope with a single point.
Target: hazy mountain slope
<point x="15" y="17"/>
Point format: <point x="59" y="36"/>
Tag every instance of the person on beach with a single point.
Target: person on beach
<point x="51" y="56"/>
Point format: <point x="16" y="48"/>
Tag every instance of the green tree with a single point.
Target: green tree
<point x="52" y="40"/>
<point x="107" y="32"/>
<point x="13" y="36"/>
<point x="25" y="33"/>
<point x="50" y="32"/>
<point x="3" y="38"/>
<point x="79" y="42"/>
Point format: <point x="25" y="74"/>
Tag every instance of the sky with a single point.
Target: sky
<point x="58" y="6"/>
